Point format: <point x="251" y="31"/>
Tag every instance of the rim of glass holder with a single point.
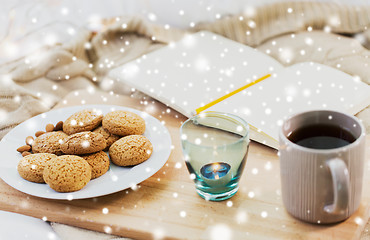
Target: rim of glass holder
<point x="229" y="116"/>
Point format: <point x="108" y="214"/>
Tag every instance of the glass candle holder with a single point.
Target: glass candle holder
<point x="215" y="148"/>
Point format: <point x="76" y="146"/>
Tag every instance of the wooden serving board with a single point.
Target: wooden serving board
<point x="166" y="205"/>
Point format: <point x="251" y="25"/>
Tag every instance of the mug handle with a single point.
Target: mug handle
<point x="339" y="173"/>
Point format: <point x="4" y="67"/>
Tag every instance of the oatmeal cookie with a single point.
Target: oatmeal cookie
<point x="32" y="166"/>
<point x="83" y="143"/>
<point x="67" y="173"/>
<point x="99" y="163"/>
<point x="130" y="150"/>
<point x="124" y="123"/>
<point x="49" y="143"/>
<point x="85" y="120"/>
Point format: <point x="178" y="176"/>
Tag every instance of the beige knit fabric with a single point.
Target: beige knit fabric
<point x="33" y="84"/>
<point x="255" y="26"/>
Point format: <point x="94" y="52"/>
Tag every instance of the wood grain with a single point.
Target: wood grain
<point x="166" y="206"/>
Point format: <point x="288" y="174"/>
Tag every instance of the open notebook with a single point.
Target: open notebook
<point x="205" y="71"/>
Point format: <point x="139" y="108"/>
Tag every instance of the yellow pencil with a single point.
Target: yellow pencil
<point x="198" y="110"/>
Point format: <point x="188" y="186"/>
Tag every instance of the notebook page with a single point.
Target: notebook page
<point x="300" y="87"/>
<point x="196" y="70"/>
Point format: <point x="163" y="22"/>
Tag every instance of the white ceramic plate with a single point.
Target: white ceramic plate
<point x="17" y="226"/>
<point x="116" y="179"/>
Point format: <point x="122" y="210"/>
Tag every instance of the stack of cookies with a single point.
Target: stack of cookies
<point x="67" y="157"/>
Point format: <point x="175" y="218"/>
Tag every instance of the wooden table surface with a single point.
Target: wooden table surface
<point x="166" y="206"/>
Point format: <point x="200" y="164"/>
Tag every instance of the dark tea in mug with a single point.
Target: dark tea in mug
<point x="321" y="136"/>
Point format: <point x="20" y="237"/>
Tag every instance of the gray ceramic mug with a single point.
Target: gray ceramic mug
<point x="321" y="185"/>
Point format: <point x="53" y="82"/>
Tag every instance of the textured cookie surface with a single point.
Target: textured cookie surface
<point x="67" y="173"/>
<point x="109" y="137"/>
<point x="130" y="150"/>
<point x="83" y="143"/>
<point x="84" y="120"/>
<point x="124" y="123"/>
<point x="31" y="167"/>
<point x="99" y="163"/>
<point x="49" y="143"/>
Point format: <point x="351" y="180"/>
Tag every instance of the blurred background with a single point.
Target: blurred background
<point x="27" y="25"/>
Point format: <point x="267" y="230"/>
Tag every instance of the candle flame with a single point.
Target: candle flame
<point x="216" y="166"/>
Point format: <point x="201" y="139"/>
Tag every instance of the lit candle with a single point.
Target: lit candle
<point x="216" y="174"/>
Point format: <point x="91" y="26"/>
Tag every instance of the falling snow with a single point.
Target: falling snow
<point x="107" y="229"/>
<point x="264" y="214"/>
<point x="202" y="65"/>
<point x="182" y="214"/>
<point x="220" y="232"/>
